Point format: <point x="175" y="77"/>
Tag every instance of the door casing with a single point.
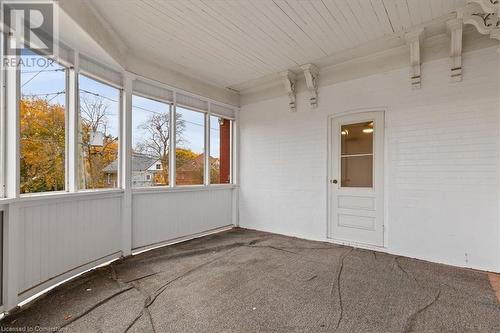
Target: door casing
<point x="380" y="182"/>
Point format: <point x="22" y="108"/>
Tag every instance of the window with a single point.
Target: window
<point x="150" y="140"/>
<point x="42" y="121"/>
<point x="98" y="134"/>
<point x="357" y="155"/>
<point x="220" y="150"/>
<point x="190" y="147"/>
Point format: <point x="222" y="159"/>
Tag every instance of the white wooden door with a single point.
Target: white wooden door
<point x="356" y="184"/>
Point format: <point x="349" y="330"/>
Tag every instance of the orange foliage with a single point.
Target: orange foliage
<point x="42" y="145"/>
<point x="43" y="149"/>
<point x="182" y="156"/>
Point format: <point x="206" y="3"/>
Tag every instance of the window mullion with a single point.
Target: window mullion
<point x="207" y="148"/>
<point x="172" y="145"/>
<point x="12" y="122"/>
<point x="125" y="141"/>
<point x="231" y="151"/>
<point x="235" y="142"/>
<point x="125" y="161"/>
<point x="72" y="127"/>
<point x="2" y="115"/>
<point x="11" y="255"/>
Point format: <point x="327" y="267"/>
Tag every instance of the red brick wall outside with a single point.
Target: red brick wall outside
<point x="225" y="152"/>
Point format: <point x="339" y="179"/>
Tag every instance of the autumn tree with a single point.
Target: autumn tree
<point x="156" y="142"/>
<point x="42" y="145"/>
<point x="182" y="156"/>
<point x="189" y="166"/>
<point x="94" y="120"/>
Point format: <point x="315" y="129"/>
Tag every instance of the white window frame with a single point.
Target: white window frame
<point x="9" y="140"/>
<point x="3" y="86"/>
<point x="172" y="135"/>
<point x="205" y="147"/>
<point x="120" y="89"/>
<point x="231" y="149"/>
<point x="66" y="128"/>
<point x="206" y="170"/>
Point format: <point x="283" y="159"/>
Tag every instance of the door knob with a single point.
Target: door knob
<point x="333" y="181"/>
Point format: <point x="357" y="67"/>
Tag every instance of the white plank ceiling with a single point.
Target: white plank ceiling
<point x="230" y="42"/>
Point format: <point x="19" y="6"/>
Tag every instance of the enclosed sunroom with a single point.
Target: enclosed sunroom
<point x="240" y="166"/>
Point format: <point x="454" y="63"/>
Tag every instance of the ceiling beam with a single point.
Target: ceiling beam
<point x="102" y="34"/>
<point x="166" y="75"/>
<point x="90" y="20"/>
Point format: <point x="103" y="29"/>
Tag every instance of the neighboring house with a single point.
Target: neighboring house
<point x="144" y="170"/>
<point x="191" y="172"/>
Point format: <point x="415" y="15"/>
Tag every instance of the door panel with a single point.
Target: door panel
<point x="356" y="202"/>
<point x="356" y="178"/>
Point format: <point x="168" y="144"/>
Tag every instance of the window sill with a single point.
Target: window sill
<point x="6" y="201"/>
<point x="69" y="195"/>
<point x="184" y="188"/>
<point x="109" y="193"/>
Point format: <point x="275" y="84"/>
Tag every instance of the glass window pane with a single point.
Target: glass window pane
<point x="357" y="171"/>
<point x="190" y="147"/>
<point x="357" y="138"/>
<point x="150" y="142"/>
<point x="42" y="120"/>
<point x="220" y="150"/>
<point x="357" y="155"/>
<point x="98" y="134"/>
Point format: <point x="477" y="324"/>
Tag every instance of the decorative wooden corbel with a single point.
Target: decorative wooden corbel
<point x="289" y="81"/>
<point x="455" y="29"/>
<point x="482" y="14"/>
<point x="413" y="39"/>
<point x="311" y="73"/>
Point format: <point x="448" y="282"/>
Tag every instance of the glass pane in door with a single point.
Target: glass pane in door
<point x="357" y="155"/>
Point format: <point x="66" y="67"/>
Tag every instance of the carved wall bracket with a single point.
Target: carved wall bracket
<point x="289" y="81"/>
<point x="483" y="15"/>
<point x="455" y="29"/>
<point x="413" y="39"/>
<point x="311" y="73"/>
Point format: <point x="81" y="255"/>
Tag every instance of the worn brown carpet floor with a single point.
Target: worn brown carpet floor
<point x="248" y="281"/>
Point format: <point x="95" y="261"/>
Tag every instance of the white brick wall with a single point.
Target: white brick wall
<point x="442" y="167"/>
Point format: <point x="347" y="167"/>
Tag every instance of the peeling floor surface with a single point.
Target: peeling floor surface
<point x="247" y="281"/>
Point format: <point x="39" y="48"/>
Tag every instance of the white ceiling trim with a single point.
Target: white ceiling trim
<point x="432" y="48"/>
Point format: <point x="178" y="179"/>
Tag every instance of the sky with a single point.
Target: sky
<point x="40" y="77"/>
<point x="47" y="80"/>
<point x="91" y="89"/>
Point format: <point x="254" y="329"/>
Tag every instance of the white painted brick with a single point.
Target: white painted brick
<point x="442" y="166"/>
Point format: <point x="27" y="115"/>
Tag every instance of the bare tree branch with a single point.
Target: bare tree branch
<point x="156" y="142"/>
